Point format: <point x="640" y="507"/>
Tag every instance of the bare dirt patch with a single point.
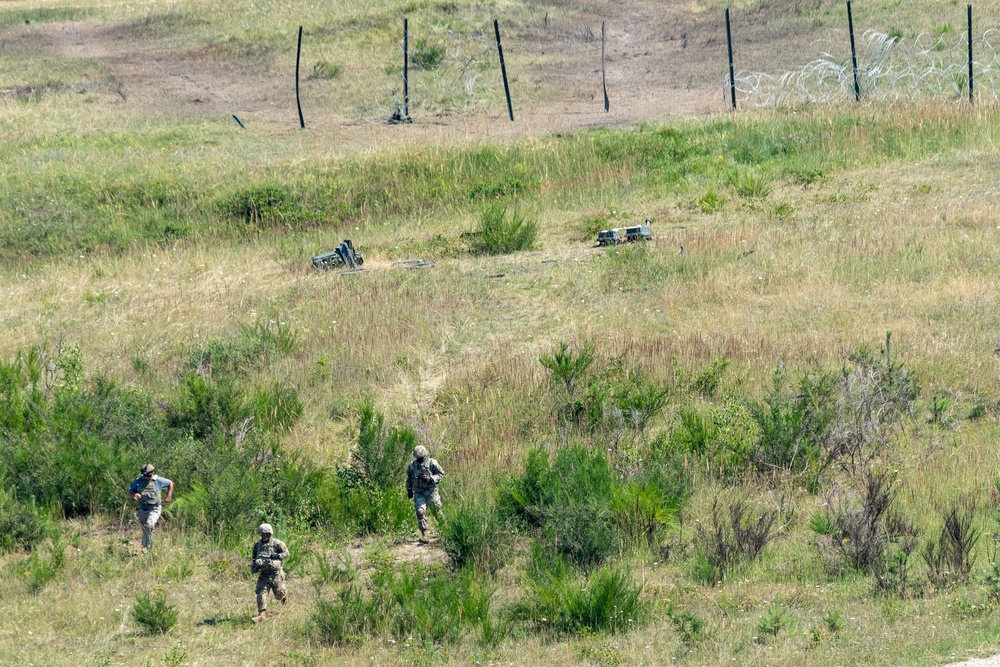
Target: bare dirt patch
<point x="664" y="60"/>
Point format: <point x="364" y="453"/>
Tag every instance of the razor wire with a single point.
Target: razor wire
<point x="890" y="70"/>
<point x="460" y="81"/>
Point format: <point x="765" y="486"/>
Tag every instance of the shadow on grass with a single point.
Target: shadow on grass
<point x="239" y="621"/>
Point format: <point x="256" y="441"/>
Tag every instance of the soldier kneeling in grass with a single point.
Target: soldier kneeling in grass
<point x="422" y="478"/>
<point x="266" y="562"/>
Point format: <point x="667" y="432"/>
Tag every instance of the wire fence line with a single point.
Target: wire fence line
<point x="449" y="70"/>
<point x="891" y="69"/>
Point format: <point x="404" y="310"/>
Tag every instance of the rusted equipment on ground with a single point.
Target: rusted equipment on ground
<point x="620" y="235"/>
<point x="344" y="257"/>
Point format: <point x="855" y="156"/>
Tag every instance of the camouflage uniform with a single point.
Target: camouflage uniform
<point x="422" y="478"/>
<point x="151" y="500"/>
<point x="266" y="563"/>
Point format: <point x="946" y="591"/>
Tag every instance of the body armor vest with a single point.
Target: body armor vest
<point x="150" y="494"/>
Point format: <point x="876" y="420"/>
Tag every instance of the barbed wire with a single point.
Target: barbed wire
<point x="891" y="69"/>
<point x="458" y="81"/>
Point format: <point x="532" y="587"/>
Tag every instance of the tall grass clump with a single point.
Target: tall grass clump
<point x="584" y="510"/>
<point x="951" y="554"/>
<point x="560" y="600"/>
<point x="263" y="206"/>
<point x="474" y="535"/>
<point x="154" y="614"/>
<point x="367" y="495"/>
<point x="735" y="534"/>
<point x="503" y="230"/>
<point x="412" y="601"/>
<point x="843" y="420"/>
<point x="23" y="525"/>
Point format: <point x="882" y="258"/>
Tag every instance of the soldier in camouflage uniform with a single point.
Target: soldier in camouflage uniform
<point x="148" y="489"/>
<point x="422" y="477"/>
<point x="266" y="563"/>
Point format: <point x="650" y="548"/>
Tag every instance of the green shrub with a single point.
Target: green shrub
<point x="644" y="509"/>
<point x="382" y="454"/>
<point x="411" y="602"/>
<point x="584" y="510"/>
<point x="689" y="625"/>
<point x="608" y="600"/>
<point x="39" y="570"/>
<point x="153" y="614"/>
<point x="22" y="524"/>
<point x="774" y="621"/>
<point x="503" y="230"/>
<point x="262" y="206"/>
<point x="523" y="498"/>
<point x="207" y="407"/>
<point x="276" y="407"/>
<point x="427" y="56"/>
<point x="750" y="182"/>
<point x="622" y="400"/>
<point x="568" y="366"/>
<point x="474" y="535"/>
<point x="707" y="380"/>
<point x="584" y="531"/>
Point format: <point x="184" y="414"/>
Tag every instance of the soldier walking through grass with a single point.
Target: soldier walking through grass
<point x="422" y="477"/>
<point x="148" y="490"/>
<point x="267" y="562"/>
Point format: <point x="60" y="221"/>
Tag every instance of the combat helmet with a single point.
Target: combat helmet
<point x="265" y="528"/>
<point x="420" y="452"/>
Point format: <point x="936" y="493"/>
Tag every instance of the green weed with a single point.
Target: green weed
<point x="503" y="230"/>
<point x="153" y="613"/>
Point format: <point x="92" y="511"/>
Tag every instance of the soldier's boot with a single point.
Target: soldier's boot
<point x="261" y="615"/>
<point x="423" y="537"/>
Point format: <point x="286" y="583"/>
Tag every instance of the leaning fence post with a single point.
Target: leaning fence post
<point x="970" y="52"/>
<point x="732" y="74"/>
<point x="298" y="102"/>
<point x="854" y="54"/>
<point x="604" y="75"/>
<point x="503" y="70"/>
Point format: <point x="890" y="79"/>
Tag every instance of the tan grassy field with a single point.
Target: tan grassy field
<point x="119" y="159"/>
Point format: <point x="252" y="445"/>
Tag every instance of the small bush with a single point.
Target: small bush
<point x="583" y="530"/>
<point x="951" y="555"/>
<point x="503" y="230"/>
<point x="568" y="366"/>
<point x="381" y="455"/>
<point x="153" y="614"/>
<point x="584" y="510"/>
<point x="276" y="407"/>
<point x="774" y="621"/>
<point x="644" y="509"/>
<point x="833" y="621"/>
<point x="208" y="407"/>
<point x="22" y="524"/>
<point x="427" y="56"/>
<point x="412" y="602"/>
<point x="689" y="625"/>
<point x="325" y="70"/>
<point x="728" y="540"/>
<point x="707" y="380"/>
<point x="608" y="600"/>
<point x="870" y="537"/>
<point x="262" y="206"/>
<point x="39" y="570"/>
<point x="475" y="536"/>
<point x="710" y="202"/>
<point x="750" y="183"/>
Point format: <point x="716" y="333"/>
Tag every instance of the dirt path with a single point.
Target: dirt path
<point x="982" y="662"/>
